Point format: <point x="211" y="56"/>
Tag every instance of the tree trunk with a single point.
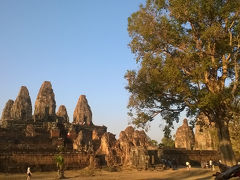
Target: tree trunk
<point x="225" y="145"/>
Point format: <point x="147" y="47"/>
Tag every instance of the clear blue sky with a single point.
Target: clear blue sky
<point x="80" y="46"/>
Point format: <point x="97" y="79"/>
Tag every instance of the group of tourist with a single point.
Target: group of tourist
<point x="173" y="164"/>
<point x="203" y="165"/>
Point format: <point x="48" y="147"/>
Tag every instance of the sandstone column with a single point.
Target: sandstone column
<point x="45" y="104"/>
<point x="82" y="114"/>
<point x="6" y="114"/>
<point x="206" y="137"/>
<point x="62" y="112"/>
<point x="184" y="136"/>
<point x="22" y="106"/>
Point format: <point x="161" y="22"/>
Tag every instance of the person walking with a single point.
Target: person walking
<point x="29" y="174"/>
<point x="188" y="166"/>
<point x="211" y="165"/>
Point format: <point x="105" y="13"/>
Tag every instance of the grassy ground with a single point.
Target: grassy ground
<point x="86" y="174"/>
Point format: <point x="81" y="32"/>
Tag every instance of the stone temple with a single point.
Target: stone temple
<point x="33" y="137"/>
<point x="204" y="138"/>
<point x="184" y="136"/>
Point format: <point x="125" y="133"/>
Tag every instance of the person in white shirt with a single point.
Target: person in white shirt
<point x="188" y="165"/>
<point x="211" y="165"/>
<point x="29" y="174"/>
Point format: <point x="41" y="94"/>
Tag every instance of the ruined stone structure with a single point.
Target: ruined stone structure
<point x="6" y="114"/>
<point x="34" y="141"/>
<point x="45" y="105"/>
<point x="62" y="113"/>
<point x="120" y="151"/>
<point x="205" y="134"/>
<point x="108" y="149"/>
<point x="205" y="137"/>
<point x="130" y="139"/>
<point x="46" y="131"/>
<point x="184" y="137"/>
<point x="22" y="106"/>
<point x="82" y="114"/>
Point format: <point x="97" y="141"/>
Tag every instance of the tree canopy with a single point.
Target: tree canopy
<point x="167" y="142"/>
<point x="188" y="56"/>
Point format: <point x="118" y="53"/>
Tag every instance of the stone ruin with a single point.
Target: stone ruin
<point x="42" y="134"/>
<point x="45" y="104"/>
<point x="205" y="137"/>
<point x="184" y="137"/>
<point x="34" y="140"/>
<point x="119" y="152"/>
<point x="20" y="109"/>
<point x="62" y="114"/>
<point x="82" y="114"/>
<point x="6" y="114"/>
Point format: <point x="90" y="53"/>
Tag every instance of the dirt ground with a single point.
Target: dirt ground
<point x="182" y="173"/>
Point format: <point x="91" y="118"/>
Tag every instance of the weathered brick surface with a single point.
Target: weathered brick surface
<point x="194" y="156"/>
<point x="18" y="162"/>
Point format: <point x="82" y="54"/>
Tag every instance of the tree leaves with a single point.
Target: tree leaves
<point x="187" y="51"/>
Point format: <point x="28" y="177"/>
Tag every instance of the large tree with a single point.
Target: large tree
<point x="188" y="56"/>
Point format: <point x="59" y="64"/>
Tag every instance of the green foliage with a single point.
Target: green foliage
<point x="188" y="52"/>
<point x="167" y="142"/>
<point x="153" y="142"/>
<point x="60" y="162"/>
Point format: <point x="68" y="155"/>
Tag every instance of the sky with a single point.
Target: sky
<point x="81" y="47"/>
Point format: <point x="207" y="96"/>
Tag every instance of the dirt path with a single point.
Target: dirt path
<point x="182" y="173"/>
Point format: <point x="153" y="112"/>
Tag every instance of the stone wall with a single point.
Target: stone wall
<point x="18" y="162"/>
<point x="142" y="158"/>
<point x="195" y="157"/>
